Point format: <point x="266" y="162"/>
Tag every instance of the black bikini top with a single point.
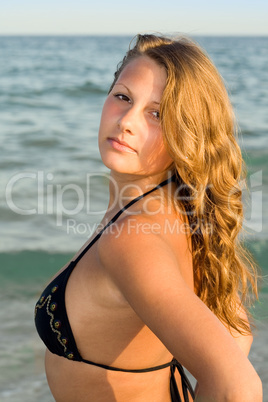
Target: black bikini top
<point x="53" y="325"/>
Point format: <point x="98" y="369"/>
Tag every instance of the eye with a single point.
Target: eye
<point x="156" y="114"/>
<point x="122" y="97"/>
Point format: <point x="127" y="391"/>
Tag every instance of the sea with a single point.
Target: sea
<point x="54" y="186"/>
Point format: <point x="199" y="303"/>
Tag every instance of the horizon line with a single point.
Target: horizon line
<point x="131" y="34"/>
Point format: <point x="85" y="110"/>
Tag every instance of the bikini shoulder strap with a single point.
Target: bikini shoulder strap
<point x="116" y="216"/>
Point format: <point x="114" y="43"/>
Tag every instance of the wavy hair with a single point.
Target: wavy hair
<point x="199" y="132"/>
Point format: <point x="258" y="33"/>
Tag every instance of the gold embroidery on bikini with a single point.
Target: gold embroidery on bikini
<point x="47" y="302"/>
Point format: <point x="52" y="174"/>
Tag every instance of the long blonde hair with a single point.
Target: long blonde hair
<point x="199" y="132"/>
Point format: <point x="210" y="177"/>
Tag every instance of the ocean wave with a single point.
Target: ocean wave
<point x="87" y="88"/>
<point x="45" y="97"/>
<point x="27" y="102"/>
<point x="254" y="142"/>
<point x="5" y="164"/>
<point x="259" y="132"/>
<point x="40" y="142"/>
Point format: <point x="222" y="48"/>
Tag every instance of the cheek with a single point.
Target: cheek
<point x="155" y="142"/>
<point x="162" y="149"/>
<point x="103" y="115"/>
<point x="155" y="151"/>
<point x="164" y="155"/>
<point x="109" y="111"/>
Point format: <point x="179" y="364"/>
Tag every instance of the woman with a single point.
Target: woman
<point x="163" y="283"/>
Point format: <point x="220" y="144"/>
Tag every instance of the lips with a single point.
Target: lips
<point x="121" y="145"/>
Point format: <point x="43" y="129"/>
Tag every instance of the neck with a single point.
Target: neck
<point x="124" y="187"/>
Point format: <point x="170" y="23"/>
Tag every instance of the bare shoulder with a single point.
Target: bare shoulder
<point x="144" y="265"/>
<point x="144" y="242"/>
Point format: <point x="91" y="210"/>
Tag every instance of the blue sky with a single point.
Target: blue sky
<point x="196" y="17"/>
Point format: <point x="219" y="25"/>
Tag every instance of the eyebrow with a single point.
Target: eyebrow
<point x="120" y="83"/>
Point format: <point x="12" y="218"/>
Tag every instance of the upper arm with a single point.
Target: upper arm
<point x="243" y="341"/>
<point x="148" y="274"/>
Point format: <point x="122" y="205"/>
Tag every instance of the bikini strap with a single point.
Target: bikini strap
<point x="185" y="383"/>
<point x="116" y="216"/>
<point x="112" y="368"/>
<point x="173" y="364"/>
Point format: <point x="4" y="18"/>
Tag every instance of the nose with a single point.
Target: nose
<point x="129" y="120"/>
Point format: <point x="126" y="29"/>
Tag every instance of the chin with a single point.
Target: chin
<point x="118" y="163"/>
<point x="119" y="167"/>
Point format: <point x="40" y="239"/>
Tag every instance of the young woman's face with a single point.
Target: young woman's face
<point x="130" y="135"/>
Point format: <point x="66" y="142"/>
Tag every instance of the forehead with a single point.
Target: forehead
<point x="145" y="71"/>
